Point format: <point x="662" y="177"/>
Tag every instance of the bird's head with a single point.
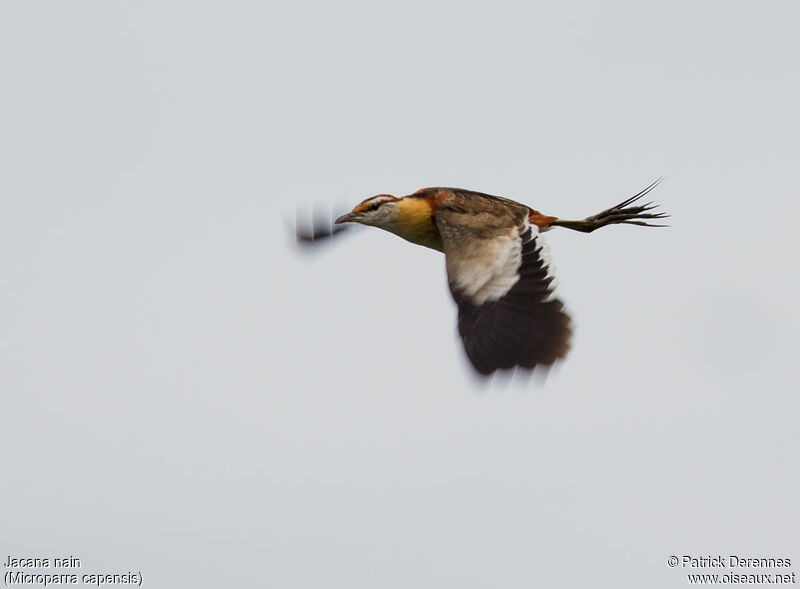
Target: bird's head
<point x="378" y="211"/>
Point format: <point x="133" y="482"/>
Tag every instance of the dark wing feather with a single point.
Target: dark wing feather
<point x="498" y="276"/>
<point x="319" y="227"/>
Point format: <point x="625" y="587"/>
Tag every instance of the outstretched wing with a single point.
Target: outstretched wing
<point x="498" y="274"/>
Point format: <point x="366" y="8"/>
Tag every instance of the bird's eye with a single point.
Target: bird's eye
<point x="374" y="206"/>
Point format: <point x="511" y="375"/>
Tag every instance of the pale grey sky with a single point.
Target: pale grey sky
<point x="185" y="395"/>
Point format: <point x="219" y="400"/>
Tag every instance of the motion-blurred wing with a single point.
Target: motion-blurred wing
<point x="320" y="227"/>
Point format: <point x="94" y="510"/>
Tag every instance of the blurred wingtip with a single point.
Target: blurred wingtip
<point x="315" y="227"/>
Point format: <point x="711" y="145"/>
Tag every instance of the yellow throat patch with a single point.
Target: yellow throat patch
<point x="414" y="222"/>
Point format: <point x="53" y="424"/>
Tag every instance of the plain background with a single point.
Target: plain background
<point x="186" y="395"/>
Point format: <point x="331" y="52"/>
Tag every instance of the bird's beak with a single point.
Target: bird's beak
<point x="344" y="219"/>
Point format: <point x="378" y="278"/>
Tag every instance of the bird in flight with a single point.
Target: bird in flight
<point x="498" y="268"/>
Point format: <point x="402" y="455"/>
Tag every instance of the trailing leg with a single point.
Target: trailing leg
<point x="621" y="213"/>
